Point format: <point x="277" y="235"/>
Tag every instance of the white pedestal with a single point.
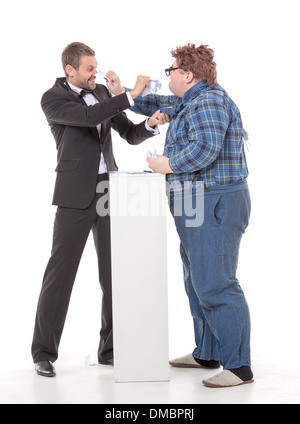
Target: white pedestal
<point x="139" y="276"/>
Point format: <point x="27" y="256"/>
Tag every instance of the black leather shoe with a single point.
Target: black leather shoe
<point x="45" y="368"/>
<point x="106" y="362"/>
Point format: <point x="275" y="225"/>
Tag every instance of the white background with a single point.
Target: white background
<point x="256" y="46"/>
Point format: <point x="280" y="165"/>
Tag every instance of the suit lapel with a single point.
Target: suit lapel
<point x="93" y="130"/>
<point x="100" y="93"/>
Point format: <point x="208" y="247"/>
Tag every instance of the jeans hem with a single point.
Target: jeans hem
<point x="236" y="365"/>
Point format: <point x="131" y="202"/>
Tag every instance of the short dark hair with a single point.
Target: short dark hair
<point x="73" y="53"/>
<point x="198" y="60"/>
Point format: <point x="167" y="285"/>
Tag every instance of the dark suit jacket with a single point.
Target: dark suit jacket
<point x="73" y="125"/>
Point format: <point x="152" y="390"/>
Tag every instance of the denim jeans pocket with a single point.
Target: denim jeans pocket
<point x="219" y="209"/>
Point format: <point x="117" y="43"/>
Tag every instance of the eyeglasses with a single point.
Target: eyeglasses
<point x="168" y="70"/>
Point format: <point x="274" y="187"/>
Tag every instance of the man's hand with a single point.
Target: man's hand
<point x="116" y="87"/>
<point x="158" y="119"/>
<point x="160" y="165"/>
<point x="141" y="83"/>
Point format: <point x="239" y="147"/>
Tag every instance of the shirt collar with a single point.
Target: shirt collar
<point x="76" y="89"/>
<point x="188" y="95"/>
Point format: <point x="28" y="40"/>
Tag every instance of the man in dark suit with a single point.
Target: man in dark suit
<point x="81" y="124"/>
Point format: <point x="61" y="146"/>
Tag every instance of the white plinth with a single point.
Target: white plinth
<point x="139" y="276"/>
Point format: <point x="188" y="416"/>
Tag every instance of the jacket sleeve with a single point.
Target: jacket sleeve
<point x="132" y="133"/>
<point x="65" y="111"/>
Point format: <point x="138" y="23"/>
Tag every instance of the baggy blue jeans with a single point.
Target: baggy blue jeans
<point x="209" y="254"/>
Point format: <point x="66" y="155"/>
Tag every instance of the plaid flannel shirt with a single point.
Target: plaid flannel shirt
<point x="204" y="140"/>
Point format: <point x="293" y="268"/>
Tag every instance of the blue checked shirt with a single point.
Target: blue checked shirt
<point x="204" y="140"/>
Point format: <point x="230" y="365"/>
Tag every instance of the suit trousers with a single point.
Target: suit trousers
<point x="71" y="231"/>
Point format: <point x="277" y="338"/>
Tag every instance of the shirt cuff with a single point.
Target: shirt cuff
<point x="154" y="130"/>
<point x="130" y="99"/>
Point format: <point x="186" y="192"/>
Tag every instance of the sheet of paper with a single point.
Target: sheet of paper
<point x="102" y="74"/>
<point x="152" y="154"/>
<point x="155" y="85"/>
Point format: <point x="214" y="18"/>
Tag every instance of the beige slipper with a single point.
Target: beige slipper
<point x="186" y="361"/>
<point x="225" y="379"/>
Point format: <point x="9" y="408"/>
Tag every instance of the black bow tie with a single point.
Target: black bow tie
<point x="85" y="92"/>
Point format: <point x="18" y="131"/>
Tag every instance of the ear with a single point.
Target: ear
<point x="189" y="77"/>
<point x="70" y="70"/>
